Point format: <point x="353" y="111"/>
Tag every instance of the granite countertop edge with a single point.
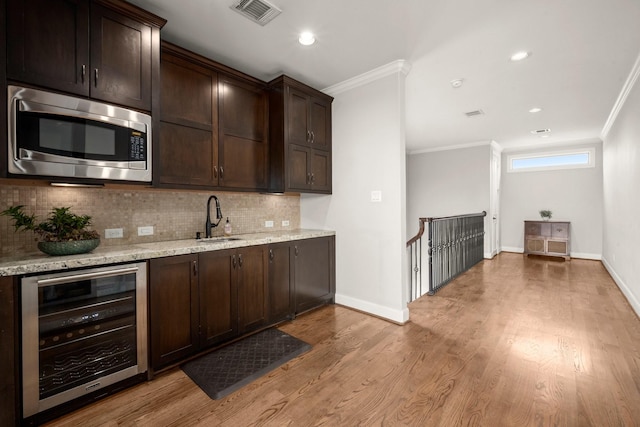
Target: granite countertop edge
<point x="104" y="255"/>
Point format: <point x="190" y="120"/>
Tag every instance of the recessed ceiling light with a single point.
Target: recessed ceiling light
<point x="535" y="110"/>
<point x="306" y="38"/>
<point x="456" y="83"/>
<point x="519" y="56"/>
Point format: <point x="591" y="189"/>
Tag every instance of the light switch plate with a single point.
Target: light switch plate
<point x="376" y="196"/>
<point x="145" y="231"/>
<point x="113" y="233"/>
<point x="285" y="223"/>
<point x="268" y="224"/>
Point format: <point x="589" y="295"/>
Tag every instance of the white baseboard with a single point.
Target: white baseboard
<point x="579" y="255"/>
<point x="394" y="315"/>
<point x="633" y="301"/>
<point x="512" y="249"/>
<point x="595" y="257"/>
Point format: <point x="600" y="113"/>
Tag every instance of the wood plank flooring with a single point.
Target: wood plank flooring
<point x="514" y="341"/>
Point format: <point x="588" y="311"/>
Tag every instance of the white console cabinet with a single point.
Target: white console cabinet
<point x="551" y="238"/>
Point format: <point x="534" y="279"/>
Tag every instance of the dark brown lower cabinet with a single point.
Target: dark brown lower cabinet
<point x="280" y="282"/>
<point x="252" y="279"/>
<point x="314" y="272"/>
<point x="173" y="308"/>
<point x="9" y="397"/>
<point x="218" y="296"/>
<point x="197" y="301"/>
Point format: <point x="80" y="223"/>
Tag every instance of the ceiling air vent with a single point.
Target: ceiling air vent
<point x="259" y="11"/>
<point x="474" y="113"/>
<point x="540" y="131"/>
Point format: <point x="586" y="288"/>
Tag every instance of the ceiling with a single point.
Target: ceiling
<point x="582" y="52"/>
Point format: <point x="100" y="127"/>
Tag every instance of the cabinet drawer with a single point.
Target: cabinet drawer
<point x="532" y="228"/>
<point x="557" y="247"/>
<point x="560" y="230"/>
<point x="534" y="245"/>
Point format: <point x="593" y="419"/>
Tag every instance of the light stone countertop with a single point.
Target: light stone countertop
<point x="39" y="262"/>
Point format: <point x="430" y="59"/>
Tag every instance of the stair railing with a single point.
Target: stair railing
<point x="454" y="244"/>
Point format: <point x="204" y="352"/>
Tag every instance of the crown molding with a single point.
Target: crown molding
<point x="493" y="144"/>
<point x="622" y="98"/>
<point x="397" y="66"/>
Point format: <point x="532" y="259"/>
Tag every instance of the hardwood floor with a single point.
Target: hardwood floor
<point x="515" y="341"/>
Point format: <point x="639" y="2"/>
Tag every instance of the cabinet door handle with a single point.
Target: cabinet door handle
<point x="240" y="260"/>
<point x="83" y="72"/>
<point x="233" y="261"/>
<point x="313" y="137"/>
<point x="296" y="250"/>
<point x="313" y="178"/>
<point x="215" y="171"/>
<point x="308" y="136"/>
<point x="270" y="254"/>
<point x="195" y="268"/>
<point x="308" y="178"/>
<point x="221" y="172"/>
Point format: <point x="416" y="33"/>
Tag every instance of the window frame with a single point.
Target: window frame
<point x="590" y="151"/>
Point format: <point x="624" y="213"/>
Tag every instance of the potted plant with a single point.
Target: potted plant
<point x="545" y="214"/>
<point x="63" y="233"/>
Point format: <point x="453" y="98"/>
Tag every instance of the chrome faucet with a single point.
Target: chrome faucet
<point x="208" y="225"/>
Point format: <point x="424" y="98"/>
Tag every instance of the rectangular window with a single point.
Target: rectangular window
<point x="567" y="159"/>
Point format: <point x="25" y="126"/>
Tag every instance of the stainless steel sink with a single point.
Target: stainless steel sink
<point x="217" y="239"/>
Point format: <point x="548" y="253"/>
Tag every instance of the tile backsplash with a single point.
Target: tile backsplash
<point x="173" y="214"/>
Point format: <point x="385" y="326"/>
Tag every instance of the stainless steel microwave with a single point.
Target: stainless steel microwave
<point x="55" y="135"/>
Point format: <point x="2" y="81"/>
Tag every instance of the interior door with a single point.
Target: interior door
<point x="494" y="239"/>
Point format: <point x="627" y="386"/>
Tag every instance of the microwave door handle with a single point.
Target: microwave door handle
<point x="35" y="107"/>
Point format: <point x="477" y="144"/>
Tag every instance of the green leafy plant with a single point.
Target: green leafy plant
<point x="545" y="214"/>
<point x="60" y="226"/>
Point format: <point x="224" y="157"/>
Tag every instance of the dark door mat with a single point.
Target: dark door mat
<point x="224" y="371"/>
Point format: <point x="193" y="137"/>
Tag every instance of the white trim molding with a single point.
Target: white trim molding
<point x="394" y="315"/>
<point x="633" y="301"/>
<point x="493" y="144"/>
<point x="622" y="98"/>
<point x="397" y="66"/>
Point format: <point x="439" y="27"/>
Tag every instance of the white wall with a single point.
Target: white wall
<point x="621" y="170"/>
<point x="448" y="182"/>
<point x="368" y="154"/>
<point x="574" y="195"/>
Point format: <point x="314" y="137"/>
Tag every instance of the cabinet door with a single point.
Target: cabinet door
<point x="534" y="245"/>
<point x="218" y="297"/>
<point x="244" y="150"/>
<point x="298" y="126"/>
<point x="298" y="167"/>
<point x="252" y="288"/>
<point x="173" y="308"/>
<point x="320" y="119"/>
<point x="313" y="272"/>
<point x="48" y="43"/>
<point x="187" y="156"/>
<point x="9" y="345"/>
<point x="320" y="178"/>
<point x="280" y="281"/>
<point x="189" y="94"/>
<point x="120" y="59"/>
<point x="188" y="148"/>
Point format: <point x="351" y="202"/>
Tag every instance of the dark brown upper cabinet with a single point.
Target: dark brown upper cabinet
<point x="103" y="49"/>
<point x="244" y="148"/>
<point x="188" y="142"/>
<point x="299" y="137"/>
<point x="214" y="125"/>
